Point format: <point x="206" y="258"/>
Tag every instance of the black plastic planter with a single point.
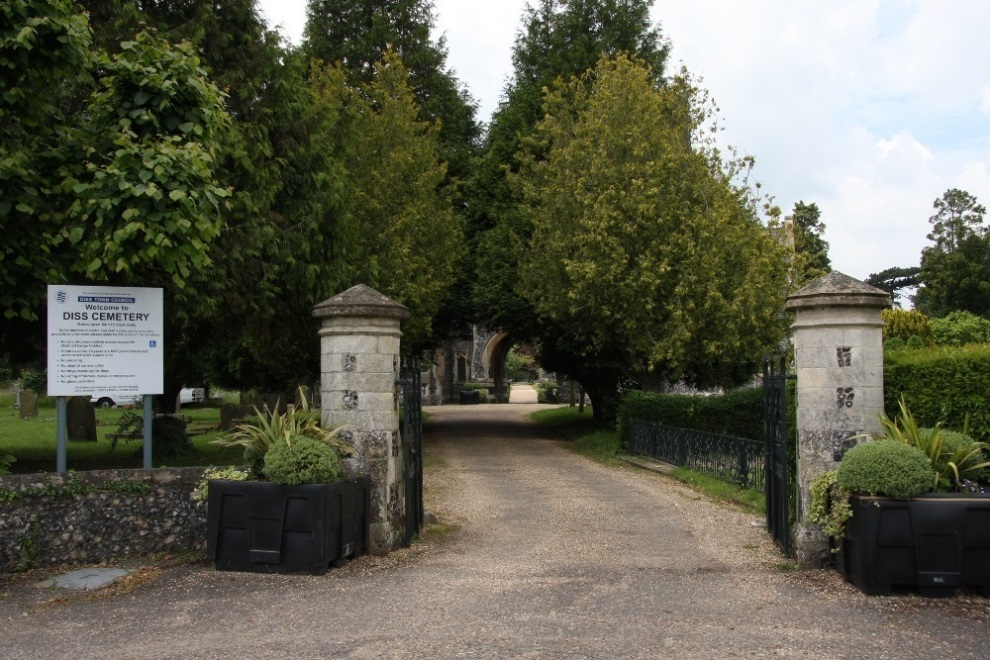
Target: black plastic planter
<point x="935" y="542"/>
<point x="261" y="527"/>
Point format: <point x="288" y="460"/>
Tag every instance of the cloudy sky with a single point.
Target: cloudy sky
<point x="869" y="108"/>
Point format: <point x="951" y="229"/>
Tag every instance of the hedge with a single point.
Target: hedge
<point x="738" y="413"/>
<point x="941" y="385"/>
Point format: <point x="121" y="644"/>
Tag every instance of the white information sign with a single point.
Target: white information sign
<point x="105" y="340"/>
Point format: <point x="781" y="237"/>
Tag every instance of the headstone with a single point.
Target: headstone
<point x="81" y="419"/>
<point x="27" y="403"/>
<point x="275" y="402"/>
<point x="251" y="400"/>
<point x="231" y="414"/>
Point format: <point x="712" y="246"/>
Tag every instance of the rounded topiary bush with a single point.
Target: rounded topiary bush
<point x="301" y="460"/>
<point x="886" y="467"/>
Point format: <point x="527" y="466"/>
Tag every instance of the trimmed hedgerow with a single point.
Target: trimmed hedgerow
<point x="738" y="413"/>
<point x="886" y="467"/>
<point x="301" y="460"/>
<point x="941" y="385"/>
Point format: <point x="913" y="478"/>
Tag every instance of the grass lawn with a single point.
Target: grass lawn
<point x="604" y="445"/>
<point x="33" y="441"/>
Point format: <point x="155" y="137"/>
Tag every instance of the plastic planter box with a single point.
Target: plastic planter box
<point x="935" y="542"/>
<point x="261" y="527"/>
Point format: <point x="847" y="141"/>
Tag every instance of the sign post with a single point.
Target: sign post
<point x="108" y="341"/>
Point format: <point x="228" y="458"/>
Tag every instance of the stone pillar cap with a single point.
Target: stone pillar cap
<point x="361" y="300"/>
<point x="838" y="290"/>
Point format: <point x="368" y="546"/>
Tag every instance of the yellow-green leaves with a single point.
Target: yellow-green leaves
<point x="640" y="241"/>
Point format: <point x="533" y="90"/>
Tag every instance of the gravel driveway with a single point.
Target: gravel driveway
<point x="549" y="555"/>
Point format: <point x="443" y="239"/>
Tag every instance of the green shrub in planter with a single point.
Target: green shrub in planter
<point x="296" y="460"/>
<point x="273" y="426"/>
<point x="887" y="468"/>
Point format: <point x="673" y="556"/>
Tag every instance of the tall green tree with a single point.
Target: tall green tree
<point x="894" y="280"/>
<point x="643" y="250"/>
<point x="811" y="259"/>
<point x="409" y="240"/>
<point x="356" y="33"/>
<point x="955" y="270"/>
<point x="557" y="39"/>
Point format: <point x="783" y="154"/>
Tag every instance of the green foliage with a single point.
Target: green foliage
<point x="256" y="439"/>
<point x="960" y="328"/>
<point x="546" y="392"/>
<point x="955" y="271"/>
<point x="294" y="460"/>
<point x="230" y="473"/>
<point x="169" y="438"/>
<point x="894" y="280"/>
<point x="557" y="40"/>
<point x="811" y="259"/>
<point x="108" y="185"/>
<point x="905" y="324"/>
<point x="959" y="459"/>
<point x="520" y="365"/>
<point x="941" y="385"/>
<point x="738" y="413"/>
<point x="130" y="427"/>
<point x="5" y="462"/>
<point x="830" y="504"/>
<point x="148" y="194"/>
<point x="410" y="240"/>
<point x="753" y="500"/>
<point x="619" y="250"/>
<point x="73" y="487"/>
<point x="357" y="33"/>
<point x="34" y="379"/>
<point x="887" y="468"/>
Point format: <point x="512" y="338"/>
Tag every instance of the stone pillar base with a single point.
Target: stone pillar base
<point x="811" y="546"/>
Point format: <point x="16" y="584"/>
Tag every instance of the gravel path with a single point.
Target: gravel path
<point x="549" y="555"/>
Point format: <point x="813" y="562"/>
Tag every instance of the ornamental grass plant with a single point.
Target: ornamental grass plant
<point x="273" y="427"/>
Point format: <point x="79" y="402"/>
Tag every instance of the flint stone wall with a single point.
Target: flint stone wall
<point x="99" y="526"/>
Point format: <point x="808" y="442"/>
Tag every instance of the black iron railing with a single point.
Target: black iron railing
<point x="412" y="443"/>
<point x="732" y="459"/>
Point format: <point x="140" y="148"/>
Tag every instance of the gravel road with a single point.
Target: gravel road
<point x="541" y="554"/>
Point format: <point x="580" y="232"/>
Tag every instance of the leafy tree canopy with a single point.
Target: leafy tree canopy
<point x="894" y="281"/>
<point x="811" y="259"/>
<point x="124" y="186"/>
<point x="640" y="239"/>
<point x="955" y="270"/>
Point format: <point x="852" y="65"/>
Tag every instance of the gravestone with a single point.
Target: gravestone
<point x="80" y="419"/>
<point x="250" y="400"/>
<point x="27" y="403"/>
<point x="275" y="402"/>
<point x="231" y="414"/>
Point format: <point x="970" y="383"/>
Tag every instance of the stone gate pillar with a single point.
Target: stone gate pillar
<point x="359" y="354"/>
<point x="838" y="357"/>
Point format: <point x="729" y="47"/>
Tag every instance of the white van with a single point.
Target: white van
<point x="186" y="395"/>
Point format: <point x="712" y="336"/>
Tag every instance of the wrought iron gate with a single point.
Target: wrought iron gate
<point x="777" y="483"/>
<point x="412" y="444"/>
